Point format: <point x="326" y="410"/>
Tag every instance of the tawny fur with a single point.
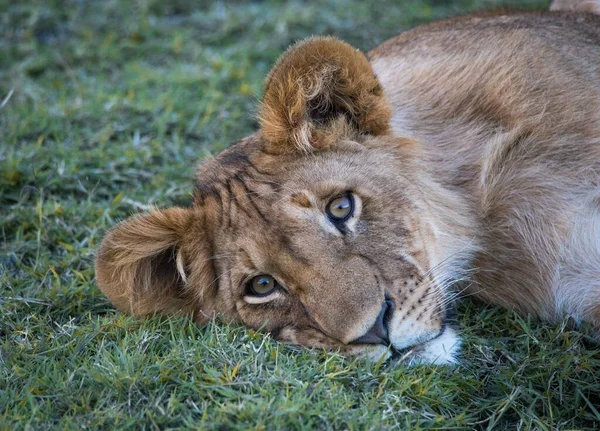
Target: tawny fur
<point x="528" y="116"/>
<point x="592" y="6"/>
<point x="472" y="147"/>
<point x="314" y="83"/>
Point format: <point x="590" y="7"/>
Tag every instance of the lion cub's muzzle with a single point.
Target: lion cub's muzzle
<point x="378" y="333"/>
<point x="393" y="329"/>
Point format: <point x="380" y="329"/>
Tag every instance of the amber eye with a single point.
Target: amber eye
<point x="341" y="208"/>
<point x="262" y="285"/>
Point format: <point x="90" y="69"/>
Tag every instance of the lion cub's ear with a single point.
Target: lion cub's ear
<point x="320" y="90"/>
<point x="142" y="262"/>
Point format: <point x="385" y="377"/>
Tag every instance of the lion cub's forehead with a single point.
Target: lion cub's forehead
<point x="244" y="168"/>
<point x="239" y="165"/>
<point x="247" y="194"/>
<point x="243" y="190"/>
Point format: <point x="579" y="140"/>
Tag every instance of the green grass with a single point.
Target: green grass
<point x="112" y="103"/>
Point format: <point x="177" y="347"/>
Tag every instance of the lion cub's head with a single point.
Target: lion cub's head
<point x="321" y="228"/>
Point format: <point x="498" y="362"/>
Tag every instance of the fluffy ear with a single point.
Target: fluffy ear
<point x="143" y="262"/>
<point x="319" y="90"/>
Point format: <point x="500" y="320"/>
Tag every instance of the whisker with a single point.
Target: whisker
<point x="447" y="259"/>
<point x="221" y="275"/>
<point x="445" y="303"/>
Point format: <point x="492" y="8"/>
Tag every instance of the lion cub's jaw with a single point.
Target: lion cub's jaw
<point x="442" y="350"/>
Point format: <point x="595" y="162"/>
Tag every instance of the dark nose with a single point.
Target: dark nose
<point x="378" y="334"/>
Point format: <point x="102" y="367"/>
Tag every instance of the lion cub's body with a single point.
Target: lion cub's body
<point x="468" y="152"/>
<point x="508" y="110"/>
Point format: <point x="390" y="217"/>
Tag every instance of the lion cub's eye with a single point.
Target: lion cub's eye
<point x="341" y="208"/>
<point x="262" y="285"/>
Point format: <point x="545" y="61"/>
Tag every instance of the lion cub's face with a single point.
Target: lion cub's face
<point x="319" y="228"/>
<point x="326" y="250"/>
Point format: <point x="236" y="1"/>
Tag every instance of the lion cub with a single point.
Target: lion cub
<point x="463" y="155"/>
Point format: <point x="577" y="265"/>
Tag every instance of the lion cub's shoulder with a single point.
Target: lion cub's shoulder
<point x="494" y="27"/>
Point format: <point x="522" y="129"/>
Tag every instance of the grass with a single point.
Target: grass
<point x="106" y="107"/>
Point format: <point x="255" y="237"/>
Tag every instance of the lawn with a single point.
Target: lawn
<point x="105" y="107"/>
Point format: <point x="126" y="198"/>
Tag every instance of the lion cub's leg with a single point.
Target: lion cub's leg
<point x="592" y="6"/>
<point x="577" y="283"/>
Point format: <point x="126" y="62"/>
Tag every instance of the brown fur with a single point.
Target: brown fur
<point x="472" y="147"/>
<point x="592" y="6"/>
<point x="318" y="82"/>
<point x="529" y="135"/>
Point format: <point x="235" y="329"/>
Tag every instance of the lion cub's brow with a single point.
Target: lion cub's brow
<point x="301" y="199"/>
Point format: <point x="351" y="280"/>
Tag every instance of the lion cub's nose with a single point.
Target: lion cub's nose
<point x="378" y="333"/>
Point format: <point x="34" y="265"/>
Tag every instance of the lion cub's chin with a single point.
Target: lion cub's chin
<point x="442" y="350"/>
